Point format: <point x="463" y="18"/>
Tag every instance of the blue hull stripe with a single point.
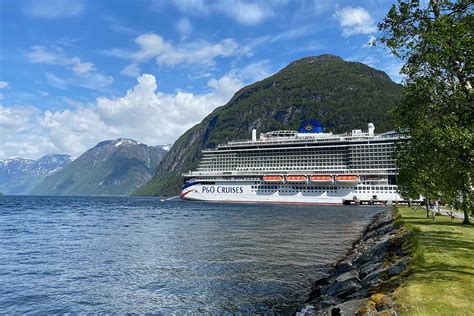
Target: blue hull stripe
<point x="187" y="185"/>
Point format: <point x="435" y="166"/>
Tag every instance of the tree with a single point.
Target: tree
<point x="435" y="41"/>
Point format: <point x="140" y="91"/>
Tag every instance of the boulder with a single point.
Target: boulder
<point x="368" y="268"/>
<point x="343" y="266"/>
<point x="347" y="308"/>
<point x="327" y="300"/>
<point x="374" y="278"/>
<point x="348" y="275"/>
<point x="344" y="288"/>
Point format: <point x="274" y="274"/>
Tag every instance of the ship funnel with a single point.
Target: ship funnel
<point x="371" y="128"/>
<point x="254" y="135"/>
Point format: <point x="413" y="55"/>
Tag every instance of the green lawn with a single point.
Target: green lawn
<point x="443" y="278"/>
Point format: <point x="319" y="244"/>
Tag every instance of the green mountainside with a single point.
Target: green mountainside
<point x="112" y="167"/>
<point x="342" y="95"/>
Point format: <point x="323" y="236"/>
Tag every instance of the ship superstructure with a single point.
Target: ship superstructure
<point x="304" y="166"/>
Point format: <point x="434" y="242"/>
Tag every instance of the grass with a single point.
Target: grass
<point x="442" y="282"/>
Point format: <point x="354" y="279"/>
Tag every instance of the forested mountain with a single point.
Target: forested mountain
<point x="342" y="95"/>
<point x="19" y="176"/>
<point x="112" y="167"/>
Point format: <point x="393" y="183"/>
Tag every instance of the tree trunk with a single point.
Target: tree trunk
<point x="427" y="208"/>
<point x="465" y="208"/>
<point x="466" y="216"/>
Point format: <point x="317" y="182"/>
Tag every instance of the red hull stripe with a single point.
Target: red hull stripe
<point x="182" y="195"/>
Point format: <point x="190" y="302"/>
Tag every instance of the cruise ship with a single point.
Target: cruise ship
<point x="307" y="166"/>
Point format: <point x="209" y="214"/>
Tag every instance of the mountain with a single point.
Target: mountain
<point x="342" y="95"/>
<point x="19" y="176"/>
<point x="112" y="167"/>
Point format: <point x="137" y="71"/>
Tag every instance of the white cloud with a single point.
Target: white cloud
<point x="253" y="72"/>
<point x="44" y="55"/>
<point x="3" y="84"/>
<point x="355" y="21"/>
<point x="86" y="74"/>
<point x="184" y="27"/>
<point x="294" y="33"/>
<point x="244" y="12"/>
<point x="143" y="113"/>
<point x="51" y="9"/>
<point x="55" y="81"/>
<point x="321" y="6"/>
<point x="153" y="46"/>
<point x="14" y="119"/>
<point x="132" y="70"/>
<point x="116" y="25"/>
<point x="81" y="68"/>
<point x="94" y="81"/>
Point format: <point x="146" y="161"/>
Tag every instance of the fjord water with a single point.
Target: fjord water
<point x="122" y="254"/>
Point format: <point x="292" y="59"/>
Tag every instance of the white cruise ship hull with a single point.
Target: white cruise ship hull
<point x="252" y="192"/>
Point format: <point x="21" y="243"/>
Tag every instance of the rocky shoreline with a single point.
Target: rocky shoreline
<point x="361" y="282"/>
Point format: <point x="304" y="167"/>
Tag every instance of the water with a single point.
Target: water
<point x="117" y="255"/>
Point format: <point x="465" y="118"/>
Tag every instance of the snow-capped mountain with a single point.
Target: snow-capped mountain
<point x="19" y="175"/>
<point x="112" y="167"/>
<point x="165" y="147"/>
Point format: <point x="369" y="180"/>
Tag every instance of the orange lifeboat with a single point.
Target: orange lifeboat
<point x="347" y="179"/>
<point x="322" y="179"/>
<point x="296" y="178"/>
<point x="273" y="178"/>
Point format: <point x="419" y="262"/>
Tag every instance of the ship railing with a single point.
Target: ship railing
<point x="292" y="140"/>
<point x="293" y="172"/>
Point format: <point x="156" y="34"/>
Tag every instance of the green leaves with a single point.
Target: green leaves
<point x="437" y="104"/>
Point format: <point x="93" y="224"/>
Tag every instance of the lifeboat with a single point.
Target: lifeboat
<point x="348" y="179"/>
<point x="321" y="179"/>
<point x="273" y="178"/>
<point x="296" y="178"/>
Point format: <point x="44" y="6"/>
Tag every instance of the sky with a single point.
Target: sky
<point x="75" y="72"/>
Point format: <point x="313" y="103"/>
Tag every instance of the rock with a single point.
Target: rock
<point x="348" y="275"/>
<point x="374" y="278"/>
<point x="363" y="292"/>
<point x="343" y="289"/>
<point x="327" y="300"/>
<point x="374" y="253"/>
<point x="397" y="268"/>
<point x="317" y="286"/>
<point x="347" y="289"/>
<point x="347" y="308"/>
<point x="368" y="268"/>
<point x="307" y="310"/>
<point x="379" y="232"/>
<point x="343" y="266"/>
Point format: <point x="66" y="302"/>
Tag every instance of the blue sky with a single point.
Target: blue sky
<point x="74" y="72"/>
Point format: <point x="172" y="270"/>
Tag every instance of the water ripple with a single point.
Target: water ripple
<point x="138" y="255"/>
